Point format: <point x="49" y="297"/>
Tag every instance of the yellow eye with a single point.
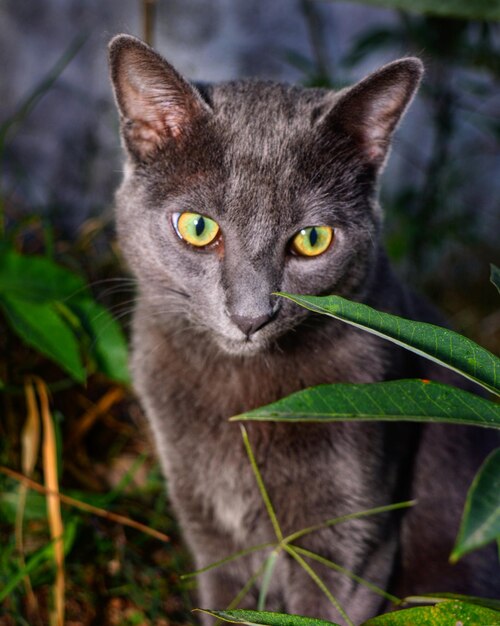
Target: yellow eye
<point x="312" y="241"/>
<point x="196" y="229"/>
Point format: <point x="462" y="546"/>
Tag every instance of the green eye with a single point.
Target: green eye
<point x="196" y="229"/>
<point x="312" y="241"/>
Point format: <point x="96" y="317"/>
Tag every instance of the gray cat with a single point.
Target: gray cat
<point x="232" y="192"/>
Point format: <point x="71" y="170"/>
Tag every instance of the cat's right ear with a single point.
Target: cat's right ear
<point x="157" y="105"/>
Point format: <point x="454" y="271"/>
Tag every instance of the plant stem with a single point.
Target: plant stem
<point x="291" y="551"/>
<point x="262" y="488"/>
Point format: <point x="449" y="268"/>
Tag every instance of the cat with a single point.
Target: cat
<point x="232" y="192"/>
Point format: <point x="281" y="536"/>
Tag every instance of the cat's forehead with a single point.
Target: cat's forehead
<point x="267" y="109"/>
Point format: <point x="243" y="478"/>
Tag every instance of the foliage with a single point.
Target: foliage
<point x="441" y="345"/>
<point x="51" y="309"/>
<point x="400" y="400"/>
<point x="86" y="475"/>
<point x="481" y="518"/>
<point x="411" y="400"/>
<point x="447" y="613"/>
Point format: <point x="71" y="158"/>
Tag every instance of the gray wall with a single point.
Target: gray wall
<point x="65" y="157"/>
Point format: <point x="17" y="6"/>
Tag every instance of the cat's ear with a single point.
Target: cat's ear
<point x="371" y="110"/>
<point x="156" y="103"/>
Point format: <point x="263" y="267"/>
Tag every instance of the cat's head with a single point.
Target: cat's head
<point x="235" y="191"/>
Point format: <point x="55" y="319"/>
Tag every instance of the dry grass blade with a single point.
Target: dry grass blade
<point x="84" y="506"/>
<point x="88" y="419"/>
<point x="30" y="446"/>
<point x="49" y="456"/>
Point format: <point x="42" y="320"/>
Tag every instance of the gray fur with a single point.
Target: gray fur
<point x="265" y="160"/>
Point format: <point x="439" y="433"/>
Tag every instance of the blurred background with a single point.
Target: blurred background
<point x="60" y="162"/>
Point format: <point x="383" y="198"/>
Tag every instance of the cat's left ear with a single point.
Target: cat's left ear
<point x="157" y="105"/>
<point x="371" y="110"/>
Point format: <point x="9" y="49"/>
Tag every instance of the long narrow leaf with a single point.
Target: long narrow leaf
<point x="435" y="598"/>
<point x="399" y="400"/>
<point x="449" y="613"/>
<point x="265" y="618"/>
<point x="481" y="517"/>
<point x="441" y="345"/>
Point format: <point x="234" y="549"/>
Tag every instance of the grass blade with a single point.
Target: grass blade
<point x="348" y="573"/>
<point x="305" y="566"/>
<point x="227" y="559"/>
<point x="269" y="565"/>
<point x="262" y="488"/>
<point x="12" y="123"/>
<point x="350" y="516"/>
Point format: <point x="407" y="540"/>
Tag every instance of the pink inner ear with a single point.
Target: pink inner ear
<point x="154" y="107"/>
<point x="382" y="116"/>
<point x="156" y="103"/>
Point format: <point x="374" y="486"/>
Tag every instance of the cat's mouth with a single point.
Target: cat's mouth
<point x="242" y="347"/>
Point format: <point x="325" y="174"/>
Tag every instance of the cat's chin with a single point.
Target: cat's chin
<point x="241" y="347"/>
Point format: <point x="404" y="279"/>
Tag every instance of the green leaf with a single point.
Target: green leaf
<point x="36" y="559"/>
<point x="465" y="9"/>
<point x="266" y="618"/>
<point x="481" y="517"/>
<point x="36" y="278"/>
<point x="448" y="613"/>
<point x="396" y="400"/>
<point x="40" y="325"/>
<point x="441" y="345"/>
<point x="108" y="346"/>
<point x="495" y="276"/>
<point x="433" y="598"/>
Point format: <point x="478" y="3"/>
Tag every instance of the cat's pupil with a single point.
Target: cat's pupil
<point x="199" y="225"/>
<point x="313" y="236"/>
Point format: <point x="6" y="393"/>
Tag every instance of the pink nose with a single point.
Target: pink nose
<point x="250" y="325"/>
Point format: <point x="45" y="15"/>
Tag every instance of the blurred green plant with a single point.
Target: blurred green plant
<point x="72" y="553"/>
<point x="52" y="310"/>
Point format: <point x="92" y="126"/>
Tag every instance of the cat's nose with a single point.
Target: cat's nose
<point x="250" y="325"/>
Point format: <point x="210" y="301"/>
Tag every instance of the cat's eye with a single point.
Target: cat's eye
<point x="196" y="229"/>
<point x="312" y="241"/>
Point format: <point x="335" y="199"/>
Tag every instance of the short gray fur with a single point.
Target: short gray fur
<point x="265" y="160"/>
